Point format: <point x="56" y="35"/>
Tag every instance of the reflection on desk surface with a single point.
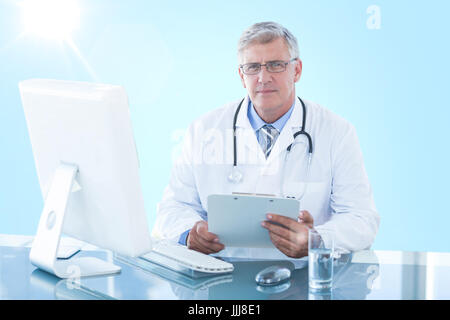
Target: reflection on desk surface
<point x="64" y="289"/>
<point x="362" y="275"/>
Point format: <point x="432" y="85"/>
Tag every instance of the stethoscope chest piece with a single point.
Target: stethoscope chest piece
<point x="235" y="175"/>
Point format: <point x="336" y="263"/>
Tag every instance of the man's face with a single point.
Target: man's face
<point x="271" y="92"/>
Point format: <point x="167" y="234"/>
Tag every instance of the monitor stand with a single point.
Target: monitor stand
<point x="44" y="251"/>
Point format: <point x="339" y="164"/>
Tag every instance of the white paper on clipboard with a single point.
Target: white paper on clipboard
<point x="236" y="219"/>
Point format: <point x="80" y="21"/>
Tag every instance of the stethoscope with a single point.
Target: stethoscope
<point x="236" y="176"/>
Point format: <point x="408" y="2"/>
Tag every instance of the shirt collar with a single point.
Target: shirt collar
<point x="257" y="122"/>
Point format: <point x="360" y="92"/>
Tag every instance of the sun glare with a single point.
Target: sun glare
<point x="51" y="19"/>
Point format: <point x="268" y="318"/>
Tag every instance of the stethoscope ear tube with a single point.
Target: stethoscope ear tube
<point x="234" y="133"/>
<point x="310" y="147"/>
<point x="302" y="131"/>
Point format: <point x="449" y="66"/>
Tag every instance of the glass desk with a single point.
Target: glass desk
<point x="370" y="275"/>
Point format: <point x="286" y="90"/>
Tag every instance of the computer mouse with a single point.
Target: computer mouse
<point x="272" y="275"/>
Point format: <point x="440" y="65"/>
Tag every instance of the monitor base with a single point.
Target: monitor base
<point x="44" y="251"/>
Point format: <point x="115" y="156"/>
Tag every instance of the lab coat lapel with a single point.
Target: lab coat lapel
<point x="286" y="136"/>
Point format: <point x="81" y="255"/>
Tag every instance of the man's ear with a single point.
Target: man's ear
<point x="298" y="70"/>
<point x="241" y="75"/>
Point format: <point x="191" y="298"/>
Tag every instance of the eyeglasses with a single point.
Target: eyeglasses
<point x="271" y="66"/>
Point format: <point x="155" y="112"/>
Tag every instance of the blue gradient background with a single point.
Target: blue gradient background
<point x="177" y="60"/>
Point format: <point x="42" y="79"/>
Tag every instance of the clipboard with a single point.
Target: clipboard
<point x="236" y="219"/>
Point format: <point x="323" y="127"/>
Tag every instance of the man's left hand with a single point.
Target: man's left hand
<point x="291" y="237"/>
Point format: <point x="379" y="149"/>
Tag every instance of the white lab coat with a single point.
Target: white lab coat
<point x="338" y="193"/>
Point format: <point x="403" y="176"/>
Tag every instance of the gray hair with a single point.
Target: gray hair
<point x="265" y="32"/>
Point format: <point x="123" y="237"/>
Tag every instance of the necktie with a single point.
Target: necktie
<point x="267" y="137"/>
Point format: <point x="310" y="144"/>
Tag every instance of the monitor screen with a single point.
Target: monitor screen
<point x="89" y="125"/>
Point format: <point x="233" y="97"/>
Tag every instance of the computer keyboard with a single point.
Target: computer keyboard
<point x="191" y="259"/>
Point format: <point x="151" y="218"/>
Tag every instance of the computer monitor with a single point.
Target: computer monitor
<point x="87" y="166"/>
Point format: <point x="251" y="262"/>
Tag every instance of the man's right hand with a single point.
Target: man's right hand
<point x="200" y="239"/>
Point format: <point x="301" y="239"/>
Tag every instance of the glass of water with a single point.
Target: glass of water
<point x="320" y="259"/>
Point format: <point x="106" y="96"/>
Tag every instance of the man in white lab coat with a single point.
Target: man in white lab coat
<point x="334" y="190"/>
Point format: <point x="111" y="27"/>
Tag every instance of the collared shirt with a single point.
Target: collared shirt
<point x="257" y="123"/>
